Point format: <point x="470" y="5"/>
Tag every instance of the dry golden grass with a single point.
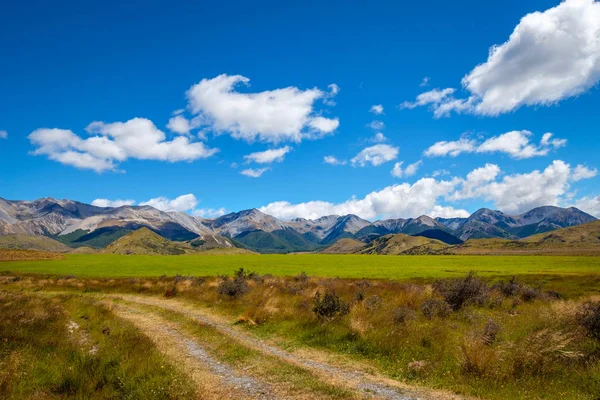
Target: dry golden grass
<point x="28" y="255"/>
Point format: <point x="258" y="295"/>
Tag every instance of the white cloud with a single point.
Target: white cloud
<point x="182" y="203"/>
<point x="432" y="97"/>
<point x="114" y="143"/>
<point x="379" y="138"/>
<point x="322" y="124"/>
<point x="333" y="161"/>
<point x="333" y="91"/>
<point x="590" y="205"/>
<point x="375" y="155"/>
<point x="402" y="200"/>
<point x="3" y="135"/>
<point x="209" y="212"/>
<point x="410" y="169"/>
<point x="278" y="115"/>
<point x="268" y="156"/>
<point x="440" y="172"/>
<point x="112" y="203"/>
<point x="376" y="125"/>
<point x="550" y="56"/>
<point x="516" y="144"/>
<point x="513" y="194"/>
<point x="519" y="192"/>
<point x="179" y="124"/>
<point x="254" y="172"/>
<point x="376" y="109"/>
<point x="425" y="82"/>
<point x="453" y="149"/>
<point x="582" y="172"/>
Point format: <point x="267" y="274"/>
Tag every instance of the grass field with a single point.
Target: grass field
<point x="343" y="266"/>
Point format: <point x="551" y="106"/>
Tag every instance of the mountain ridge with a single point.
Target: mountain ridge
<point x="79" y="224"/>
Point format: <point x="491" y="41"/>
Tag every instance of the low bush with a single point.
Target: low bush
<point x="435" y="308"/>
<point x="330" y="305"/>
<point x="402" y="315"/>
<point x="589" y="318"/>
<point x="461" y="292"/>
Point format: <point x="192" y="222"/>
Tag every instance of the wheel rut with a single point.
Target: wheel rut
<point x="365" y="385"/>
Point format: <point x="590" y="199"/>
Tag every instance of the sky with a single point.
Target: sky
<point x="383" y="109"/>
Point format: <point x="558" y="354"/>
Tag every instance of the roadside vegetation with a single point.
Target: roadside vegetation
<point x="71" y="347"/>
<point x="524" y="337"/>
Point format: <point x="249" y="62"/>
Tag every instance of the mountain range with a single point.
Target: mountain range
<point x="78" y="224"/>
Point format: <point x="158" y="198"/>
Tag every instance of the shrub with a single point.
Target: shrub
<point x="373" y="302"/>
<point x="435" y="308"/>
<point x="301" y="277"/>
<point x="589" y="318"/>
<point x="172" y="292"/>
<point x="490" y="331"/>
<point x="461" y="292"/>
<point x="403" y="314"/>
<point x="233" y="288"/>
<point x="330" y="305"/>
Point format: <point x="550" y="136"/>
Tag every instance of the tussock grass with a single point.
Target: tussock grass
<point x="496" y="338"/>
<point x="69" y="347"/>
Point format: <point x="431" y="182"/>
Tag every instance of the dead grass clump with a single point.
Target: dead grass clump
<point x="462" y="292"/>
<point x="330" y="305"/>
<point x="589" y="317"/>
<point x="433" y="308"/>
<point x="477" y="358"/>
<point x="403" y="315"/>
<point x="542" y="352"/>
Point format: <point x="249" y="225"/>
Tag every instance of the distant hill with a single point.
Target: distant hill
<point x="580" y="239"/>
<point x="403" y="244"/>
<point x="345" y="246"/>
<point x="144" y="241"/>
<point x="27" y="242"/>
<point x="279" y="241"/>
<point x="440" y="235"/>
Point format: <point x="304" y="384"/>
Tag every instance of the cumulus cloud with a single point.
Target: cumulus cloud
<point x="402" y="200"/>
<point x="433" y="97"/>
<point x="179" y="124"/>
<point x="550" y="56"/>
<point x="209" y="212"/>
<point x="3" y="135"/>
<point x="268" y="156"/>
<point x="182" y="203"/>
<point x="410" y="169"/>
<point x="114" y="143"/>
<point x="513" y="194"/>
<point x="425" y="82"/>
<point x="590" y="205"/>
<point x="375" y="155"/>
<point x="376" y="125"/>
<point x="376" y="109"/>
<point x="453" y="149"/>
<point x="112" y="203"/>
<point x="583" y="172"/>
<point x="279" y="115"/>
<point x="379" y="138"/>
<point x="254" y="172"/>
<point x="517" y="144"/>
<point x="331" y="160"/>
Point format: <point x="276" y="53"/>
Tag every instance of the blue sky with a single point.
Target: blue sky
<point x="301" y="79"/>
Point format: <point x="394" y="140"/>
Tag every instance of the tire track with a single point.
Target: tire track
<point x="367" y="385"/>
<point x="215" y="379"/>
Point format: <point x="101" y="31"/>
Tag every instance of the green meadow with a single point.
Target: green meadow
<point x="320" y="265"/>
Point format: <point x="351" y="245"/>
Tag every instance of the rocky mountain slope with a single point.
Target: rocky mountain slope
<point x="77" y="224"/>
